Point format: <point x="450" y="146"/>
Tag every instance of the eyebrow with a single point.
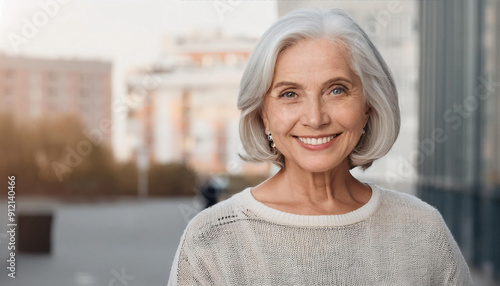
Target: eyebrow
<point x="298" y="85"/>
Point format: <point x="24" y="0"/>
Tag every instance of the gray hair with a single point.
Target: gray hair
<point x="379" y="89"/>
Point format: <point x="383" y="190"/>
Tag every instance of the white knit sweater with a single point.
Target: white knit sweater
<point x="394" y="239"/>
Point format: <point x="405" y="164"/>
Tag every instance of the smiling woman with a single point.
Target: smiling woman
<point x="317" y="99"/>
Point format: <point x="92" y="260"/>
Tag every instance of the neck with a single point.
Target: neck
<point x="334" y="191"/>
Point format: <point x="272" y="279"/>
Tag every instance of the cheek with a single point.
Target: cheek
<point x="282" y="118"/>
<point x="351" y="118"/>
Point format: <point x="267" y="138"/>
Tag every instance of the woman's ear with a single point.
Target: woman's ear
<point x="265" y="121"/>
<point x="367" y="113"/>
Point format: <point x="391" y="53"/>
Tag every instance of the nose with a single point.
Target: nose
<point x="315" y="113"/>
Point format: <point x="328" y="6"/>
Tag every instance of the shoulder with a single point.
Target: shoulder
<point x="425" y="232"/>
<point x="208" y="223"/>
<point x="406" y="206"/>
<point x="405" y="214"/>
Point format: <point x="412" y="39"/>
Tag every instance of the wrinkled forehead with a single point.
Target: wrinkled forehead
<point x="320" y="58"/>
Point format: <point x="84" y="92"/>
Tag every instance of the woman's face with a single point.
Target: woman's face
<point x="315" y="108"/>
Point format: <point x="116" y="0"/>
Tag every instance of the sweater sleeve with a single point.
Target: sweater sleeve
<point x="188" y="268"/>
<point x="450" y="267"/>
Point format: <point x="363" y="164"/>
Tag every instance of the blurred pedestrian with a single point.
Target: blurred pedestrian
<point x="209" y="191"/>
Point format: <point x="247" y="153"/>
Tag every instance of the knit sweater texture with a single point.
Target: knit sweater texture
<point x="394" y="239"/>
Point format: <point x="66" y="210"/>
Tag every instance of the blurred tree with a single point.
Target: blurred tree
<point x="67" y="158"/>
<point x="17" y="151"/>
<point x="172" y="179"/>
<point x="125" y="179"/>
<point x="53" y="156"/>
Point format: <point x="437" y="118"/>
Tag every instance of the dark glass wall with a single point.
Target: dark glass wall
<point x="459" y="109"/>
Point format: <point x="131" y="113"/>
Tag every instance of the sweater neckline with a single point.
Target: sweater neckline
<point x="281" y="217"/>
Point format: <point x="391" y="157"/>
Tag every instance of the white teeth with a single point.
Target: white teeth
<point x="316" y="141"/>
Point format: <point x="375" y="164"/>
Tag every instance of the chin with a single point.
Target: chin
<point x="319" y="166"/>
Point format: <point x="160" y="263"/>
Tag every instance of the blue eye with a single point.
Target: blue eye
<point x="289" y="94"/>
<point x="338" y="90"/>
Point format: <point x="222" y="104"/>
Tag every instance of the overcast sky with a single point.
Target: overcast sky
<point x="126" y="32"/>
<point x="95" y="28"/>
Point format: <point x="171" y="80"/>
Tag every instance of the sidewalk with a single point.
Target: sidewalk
<point x="481" y="279"/>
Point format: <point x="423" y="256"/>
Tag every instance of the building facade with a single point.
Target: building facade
<point x="184" y="107"/>
<point x="31" y="88"/>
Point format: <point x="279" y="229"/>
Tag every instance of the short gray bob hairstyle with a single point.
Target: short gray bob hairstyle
<point x="379" y="89"/>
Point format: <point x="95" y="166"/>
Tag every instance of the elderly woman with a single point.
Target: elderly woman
<point x="317" y="99"/>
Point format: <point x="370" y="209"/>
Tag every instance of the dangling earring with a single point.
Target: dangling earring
<point x="271" y="142"/>
<point x="363" y="133"/>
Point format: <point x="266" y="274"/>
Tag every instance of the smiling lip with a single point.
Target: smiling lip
<point x="317" y="142"/>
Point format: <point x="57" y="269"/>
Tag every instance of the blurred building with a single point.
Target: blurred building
<point x="459" y="153"/>
<point x="191" y="115"/>
<point x="31" y="88"/>
<point x="391" y="25"/>
<point x="183" y="107"/>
